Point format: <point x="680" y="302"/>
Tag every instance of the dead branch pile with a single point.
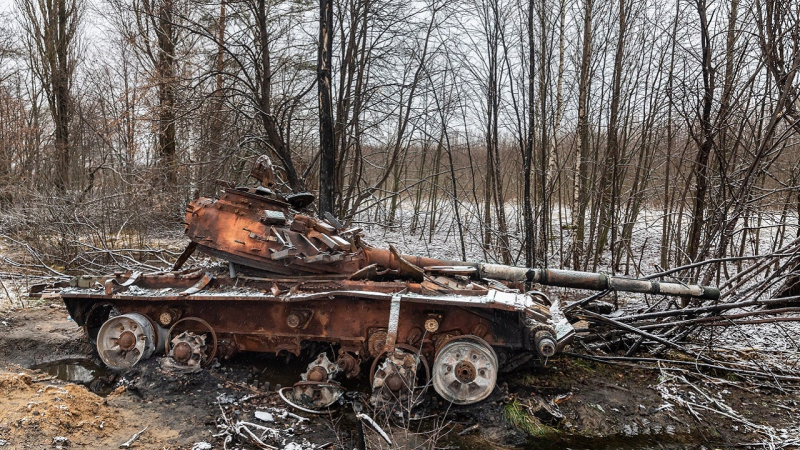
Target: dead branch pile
<point x="747" y="332"/>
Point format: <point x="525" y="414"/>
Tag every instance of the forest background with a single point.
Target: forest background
<point x="543" y="131"/>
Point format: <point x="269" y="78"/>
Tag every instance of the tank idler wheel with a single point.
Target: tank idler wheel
<point x="125" y="340"/>
<point x="465" y="370"/>
<point x="183" y="348"/>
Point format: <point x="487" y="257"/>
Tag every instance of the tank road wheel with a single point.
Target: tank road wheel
<point x="125" y="340"/>
<point x="191" y="342"/>
<point x="465" y="370"/>
<point x="394" y="376"/>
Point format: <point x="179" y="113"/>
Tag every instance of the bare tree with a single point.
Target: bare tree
<point x="51" y="35"/>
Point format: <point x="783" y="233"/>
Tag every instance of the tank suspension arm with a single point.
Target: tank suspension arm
<point x="595" y="281"/>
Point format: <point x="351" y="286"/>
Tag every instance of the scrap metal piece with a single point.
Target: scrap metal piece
<point x="394" y="319"/>
<point x="333" y="220"/>
<point x="315" y="395"/>
<point x="262" y="171"/>
<point x="287" y="395"/>
<point x="112" y="285"/>
<point x="300" y="200"/>
<point x="270" y="217"/>
<point x="187" y="252"/>
<point x="199" y="286"/>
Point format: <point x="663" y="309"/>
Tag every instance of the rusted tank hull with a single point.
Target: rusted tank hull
<point x="281" y="314"/>
<point x="260" y="324"/>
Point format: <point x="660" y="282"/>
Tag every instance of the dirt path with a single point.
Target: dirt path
<point x="602" y="406"/>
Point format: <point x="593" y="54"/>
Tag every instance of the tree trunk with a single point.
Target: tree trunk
<point x="165" y="73"/>
<point x="581" y="184"/>
<point x="327" y="166"/>
<point x="700" y="168"/>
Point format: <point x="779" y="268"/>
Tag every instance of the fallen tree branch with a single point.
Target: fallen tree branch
<point x="129" y="442"/>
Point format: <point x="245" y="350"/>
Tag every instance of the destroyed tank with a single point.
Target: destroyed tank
<point x="292" y="280"/>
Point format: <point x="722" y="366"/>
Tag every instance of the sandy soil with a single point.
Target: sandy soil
<point x="602" y="406"/>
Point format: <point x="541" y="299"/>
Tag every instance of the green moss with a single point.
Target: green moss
<point x="584" y="365"/>
<point x="527" y="379"/>
<point x="524" y="421"/>
<point x="732" y="377"/>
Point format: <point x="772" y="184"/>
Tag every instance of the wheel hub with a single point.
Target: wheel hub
<point x="191" y="345"/>
<point x="317" y="391"/>
<point x="127" y="341"/>
<point x="182" y="352"/>
<point x="317" y="373"/>
<point x="395" y="378"/>
<point x="189" y="350"/>
<point x="465" y="372"/>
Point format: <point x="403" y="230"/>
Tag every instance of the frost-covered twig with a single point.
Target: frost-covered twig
<point x="697" y="400"/>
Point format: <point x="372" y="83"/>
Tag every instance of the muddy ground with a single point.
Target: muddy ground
<point x="602" y="406"/>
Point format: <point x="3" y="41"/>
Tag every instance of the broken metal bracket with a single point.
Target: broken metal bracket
<point x="394" y="320"/>
<point x="184" y="256"/>
<point x="199" y="286"/>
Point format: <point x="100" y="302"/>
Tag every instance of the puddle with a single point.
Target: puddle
<point x="80" y="371"/>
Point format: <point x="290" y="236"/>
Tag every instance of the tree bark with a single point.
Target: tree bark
<point x="706" y="140"/>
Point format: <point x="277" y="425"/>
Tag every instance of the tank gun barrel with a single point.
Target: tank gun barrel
<point x="548" y="277"/>
<point x="596" y="281"/>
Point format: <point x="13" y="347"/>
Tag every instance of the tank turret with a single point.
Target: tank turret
<point x="258" y="228"/>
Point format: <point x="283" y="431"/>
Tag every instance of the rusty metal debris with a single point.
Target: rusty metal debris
<point x="292" y="279"/>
